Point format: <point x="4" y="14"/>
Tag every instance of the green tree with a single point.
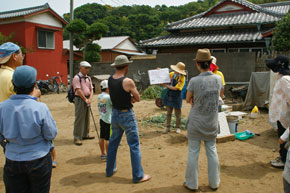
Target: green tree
<point x="4" y="39"/>
<point x="84" y="35"/>
<point x="90" y="13"/>
<point x="9" y="38"/>
<point x="281" y="39"/>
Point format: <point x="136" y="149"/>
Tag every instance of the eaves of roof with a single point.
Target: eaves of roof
<point x="262" y="14"/>
<point x="204" y="37"/>
<point x="29" y="12"/>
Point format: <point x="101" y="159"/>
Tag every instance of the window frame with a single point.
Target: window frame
<point x="53" y="39"/>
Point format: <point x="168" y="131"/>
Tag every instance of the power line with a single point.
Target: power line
<point x="115" y="2"/>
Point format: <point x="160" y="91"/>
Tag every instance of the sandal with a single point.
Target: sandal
<point x="185" y="186"/>
<point x="145" y="178"/>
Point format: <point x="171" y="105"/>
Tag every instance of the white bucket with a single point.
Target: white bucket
<point x="254" y="115"/>
<point x="233" y="125"/>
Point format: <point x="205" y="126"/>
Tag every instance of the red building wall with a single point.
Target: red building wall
<point x="46" y="61"/>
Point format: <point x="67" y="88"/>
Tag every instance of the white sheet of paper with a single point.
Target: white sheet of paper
<point x="224" y="127"/>
<point x="237" y="113"/>
<point x="159" y="76"/>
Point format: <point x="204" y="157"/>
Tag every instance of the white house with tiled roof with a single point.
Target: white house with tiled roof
<point x="111" y="47"/>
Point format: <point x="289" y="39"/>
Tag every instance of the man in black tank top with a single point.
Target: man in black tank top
<point x="123" y="93"/>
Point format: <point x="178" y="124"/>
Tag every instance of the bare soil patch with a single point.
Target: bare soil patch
<point x="244" y="165"/>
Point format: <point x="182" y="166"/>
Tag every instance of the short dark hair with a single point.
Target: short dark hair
<point x="205" y="65"/>
<point x="121" y="67"/>
<point x="21" y="90"/>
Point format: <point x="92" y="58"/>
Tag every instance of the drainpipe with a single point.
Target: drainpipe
<point x="267" y="42"/>
<point x="259" y="31"/>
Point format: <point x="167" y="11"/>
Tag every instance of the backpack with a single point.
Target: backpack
<point x="71" y="92"/>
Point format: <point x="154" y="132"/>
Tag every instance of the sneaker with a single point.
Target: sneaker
<point x="78" y="142"/>
<point x="277" y="163"/>
<point x="166" y="130"/>
<point x="54" y="164"/>
<point x="103" y="157"/>
<point x="178" y="131"/>
<point x="276" y="159"/>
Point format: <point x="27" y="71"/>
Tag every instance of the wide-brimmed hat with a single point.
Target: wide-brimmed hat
<point x="6" y="50"/>
<point x="24" y="76"/>
<point x="121" y="60"/>
<point x="279" y="64"/>
<point x="85" y="64"/>
<point x="179" y="67"/>
<point x="213" y="67"/>
<point x="203" y="55"/>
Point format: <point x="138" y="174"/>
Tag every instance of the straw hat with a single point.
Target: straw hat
<point x="203" y="55"/>
<point x="179" y="67"/>
<point x="121" y="60"/>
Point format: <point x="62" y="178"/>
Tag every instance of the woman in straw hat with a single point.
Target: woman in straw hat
<point x="173" y="97"/>
<point x="203" y="93"/>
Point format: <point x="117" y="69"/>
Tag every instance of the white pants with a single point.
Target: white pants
<point x="191" y="175"/>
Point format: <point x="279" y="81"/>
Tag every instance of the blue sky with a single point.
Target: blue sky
<point x="63" y="6"/>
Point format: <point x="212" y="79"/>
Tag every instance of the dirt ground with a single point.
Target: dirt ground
<point x="244" y="165"/>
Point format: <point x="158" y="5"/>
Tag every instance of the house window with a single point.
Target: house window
<point x="258" y="51"/>
<point x="218" y="50"/>
<point x="244" y="50"/>
<point x="45" y="39"/>
<point x="233" y="50"/>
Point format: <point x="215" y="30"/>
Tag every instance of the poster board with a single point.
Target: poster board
<point x="159" y="76"/>
<point x="223" y="123"/>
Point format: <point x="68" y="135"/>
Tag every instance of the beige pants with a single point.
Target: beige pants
<point x="82" y="119"/>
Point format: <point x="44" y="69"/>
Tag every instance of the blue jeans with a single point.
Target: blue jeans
<point x="124" y="122"/>
<point x="28" y="176"/>
<point x="192" y="164"/>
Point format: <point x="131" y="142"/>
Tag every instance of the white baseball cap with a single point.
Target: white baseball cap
<point x="85" y="64"/>
<point x="104" y="84"/>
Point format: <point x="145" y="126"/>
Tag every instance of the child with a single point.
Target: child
<point x="173" y="99"/>
<point x="286" y="173"/>
<point x="53" y="155"/>
<point x="105" y="110"/>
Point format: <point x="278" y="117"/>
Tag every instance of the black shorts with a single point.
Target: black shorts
<point x="105" y="130"/>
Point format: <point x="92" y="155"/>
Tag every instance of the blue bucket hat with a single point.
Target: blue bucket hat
<point x="6" y="50"/>
<point x="24" y="76"/>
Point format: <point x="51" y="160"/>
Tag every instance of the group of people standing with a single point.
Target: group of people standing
<point x="28" y="143"/>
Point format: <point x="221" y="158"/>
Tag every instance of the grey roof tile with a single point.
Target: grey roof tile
<point x="264" y="13"/>
<point x="204" y="37"/>
<point x="22" y="12"/>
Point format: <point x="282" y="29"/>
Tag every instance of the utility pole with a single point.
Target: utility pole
<point x="71" y="51"/>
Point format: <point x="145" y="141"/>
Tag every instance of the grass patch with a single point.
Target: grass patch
<point x="152" y="92"/>
<point x="160" y="121"/>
